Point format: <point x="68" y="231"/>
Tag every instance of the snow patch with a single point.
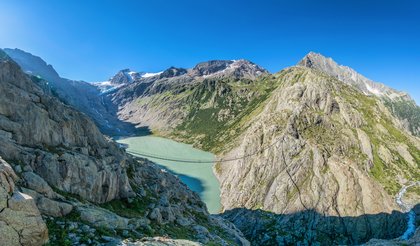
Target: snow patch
<point x="148" y="75"/>
<point x="373" y="90"/>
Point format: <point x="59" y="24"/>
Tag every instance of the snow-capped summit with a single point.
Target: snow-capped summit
<point x="123" y="77"/>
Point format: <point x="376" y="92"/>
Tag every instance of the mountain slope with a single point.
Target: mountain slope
<point x="81" y="181"/>
<point x="332" y="150"/>
<point x="196" y="104"/>
<point x="80" y="95"/>
<point x="399" y="103"/>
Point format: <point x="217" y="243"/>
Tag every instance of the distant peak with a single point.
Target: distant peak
<point x="173" y="72"/>
<point x="124" y="76"/>
<point x="125" y="70"/>
<point x="237" y="68"/>
<point x="32" y="64"/>
<point x="212" y="66"/>
<point x="312" y="53"/>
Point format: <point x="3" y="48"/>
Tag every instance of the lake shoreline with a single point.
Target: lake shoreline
<point x="199" y="177"/>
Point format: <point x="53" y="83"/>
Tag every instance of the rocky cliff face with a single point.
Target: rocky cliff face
<point x="60" y="144"/>
<point x="82" y="183"/>
<point x="20" y="220"/>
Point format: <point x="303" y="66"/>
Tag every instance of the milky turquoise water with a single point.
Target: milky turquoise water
<point x="198" y="177"/>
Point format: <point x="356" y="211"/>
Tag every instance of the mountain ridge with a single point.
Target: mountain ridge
<point x="350" y="76"/>
<point x="81" y="95"/>
<point x="400" y="103"/>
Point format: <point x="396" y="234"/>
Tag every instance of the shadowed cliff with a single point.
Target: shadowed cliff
<point x="312" y="228"/>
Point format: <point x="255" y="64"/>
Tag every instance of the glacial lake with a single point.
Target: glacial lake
<point x="199" y="177"/>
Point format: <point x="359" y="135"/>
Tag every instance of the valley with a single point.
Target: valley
<point x="199" y="177"/>
<point x="320" y="154"/>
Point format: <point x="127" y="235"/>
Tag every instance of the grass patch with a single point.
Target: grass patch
<point x="133" y="209"/>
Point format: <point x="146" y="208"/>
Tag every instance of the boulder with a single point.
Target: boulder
<point x="102" y="218"/>
<point x="38" y="184"/>
<point x="48" y="206"/>
<point x="20" y="220"/>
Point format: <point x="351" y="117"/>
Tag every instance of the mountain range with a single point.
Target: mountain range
<point x="318" y="153"/>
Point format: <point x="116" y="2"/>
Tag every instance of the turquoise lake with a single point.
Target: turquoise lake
<point x="199" y="177"/>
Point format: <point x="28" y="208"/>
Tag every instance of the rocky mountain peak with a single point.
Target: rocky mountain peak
<point x="209" y="67"/>
<point x="173" y="72"/>
<point x="32" y="64"/>
<point x="350" y="76"/>
<point x="228" y="68"/>
<point x="124" y="76"/>
<point x="398" y="102"/>
<point x="313" y="59"/>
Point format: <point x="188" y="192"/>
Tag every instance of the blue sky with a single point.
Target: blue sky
<point x="91" y="40"/>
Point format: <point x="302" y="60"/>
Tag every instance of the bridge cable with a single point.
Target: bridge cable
<point x="165" y="158"/>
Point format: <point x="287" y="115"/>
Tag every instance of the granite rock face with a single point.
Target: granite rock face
<point x="20" y="220"/>
<point x="58" y="143"/>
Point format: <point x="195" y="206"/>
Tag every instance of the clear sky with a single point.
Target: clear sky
<point x="91" y="40"/>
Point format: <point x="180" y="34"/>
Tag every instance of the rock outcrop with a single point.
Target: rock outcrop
<point x="58" y="143"/>
<point x="20" y="220"/>
<point x="349" y="76"/>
